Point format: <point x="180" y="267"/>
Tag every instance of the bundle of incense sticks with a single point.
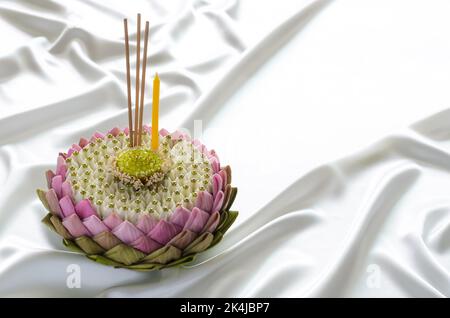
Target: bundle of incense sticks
<point x="136" y="130"/>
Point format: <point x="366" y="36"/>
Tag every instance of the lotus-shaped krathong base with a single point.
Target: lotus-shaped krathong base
<point x="113" y="223"/>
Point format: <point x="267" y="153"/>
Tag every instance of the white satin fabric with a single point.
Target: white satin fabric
<point x="308" y="101"/>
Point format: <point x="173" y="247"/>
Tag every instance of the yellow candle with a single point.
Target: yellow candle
<point x="155" y="113"/>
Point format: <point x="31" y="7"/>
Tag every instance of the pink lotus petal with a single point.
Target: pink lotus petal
<point x="83" y="142"/>
<point x="67" y="189"/>
<point x="187" y="137"/>
<point x="94" y="225"/>
<point x="66" y="205"/>
<point x="196" y="142"/>
<point x="126" y="131"/>
<point x="204" y="201"/>
<point x="146" y="223"/>
<point x="197" y="220"/>
<point x="49" y="174"/>
<point x="146" y="244"/>
<point x="75" y="227"/>
<point x="127" y="232"/>
<point x="180" y="216"/>
<point x="59" y="163"/>
<point x="212" y="222"/>
<point x="163" y="132"/>
<point x="84" y="209"/>
<point x="224" y="176"/>
<point x="115" y="131"/>
<point x="76" y="147"/>
<point x="62" y="171"/>
<point x="57" y="185"/>
<point x="70" y="152"/>
<point x="218" y="201"/>
<point x="217" y="184"/>
<point x="147" y="128"/>
<point x="177" y="135"/>
<point x="215" y="164"/>
<point x="98" y="135"/>
<point x="112" y="221"/>
<point x="53" y="202"/>
<point x="212" y="154"/>
<point x="164" y="231"/>
<point x="201" y="148"/>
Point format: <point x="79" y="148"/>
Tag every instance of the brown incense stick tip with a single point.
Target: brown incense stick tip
<point x="127" y="57"/>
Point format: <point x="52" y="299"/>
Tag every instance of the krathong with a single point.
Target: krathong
<point x="139" y="198"/>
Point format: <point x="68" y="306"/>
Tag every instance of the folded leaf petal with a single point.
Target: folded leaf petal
<point x="127" y="232"/>
<point x="164" y="231"/>
<point x="212" y="222"/>
<point x="146" y="244"/>
<point x="66" y="189"/>
<point x="88" y="245"/>
<point x="217" y="183"/>
<point x="180" y="216"/>
<point x="204" y="201"/>
<point x="83" y="142"/>
<point x="61" y="167"/>
<point x="66" y="205"/>
<point x="57" y="185"/>
<point x="74" y="225"/>
<point x="163" y="132"/>
<point x="183" y="239"/>
<point x="53" y="203"/>
<point x="124" y="254"/>
<point x="112" y="221"/>
<point x="197" y="220"/>
<point x="49" y="174"/>
<point x="227" y="170"/>
<point x="163" y="255"/>
<point x="215" y="164"/>
<point x="224" y="176"/>
<point x="177" y="135"/>
<point x="115" y="131"/>
<point x="200" y="244"/>
<point x="203" y="150"/>
<point x="98" y="135"/>
<point x="94" y="225"/>
<point x="218" y="201"/>
<point x="107" y="240"/>
<point x="75" y="147"/>
<point x="59" y="227"/>
<point x="41" y="194"/>
<point x="84" y="209"/>
<point x="146" y="223"/>
<point x="213" y="153"/>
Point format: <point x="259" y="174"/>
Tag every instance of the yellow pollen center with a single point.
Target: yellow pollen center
<point x="139" y="163"/>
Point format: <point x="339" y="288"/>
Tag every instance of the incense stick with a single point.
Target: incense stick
<point x="130" y="111"/>
<point x="138" y="53"/>
<point x="144" y="65"/>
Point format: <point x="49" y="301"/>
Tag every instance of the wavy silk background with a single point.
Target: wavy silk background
<point x="332" y="115"/>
